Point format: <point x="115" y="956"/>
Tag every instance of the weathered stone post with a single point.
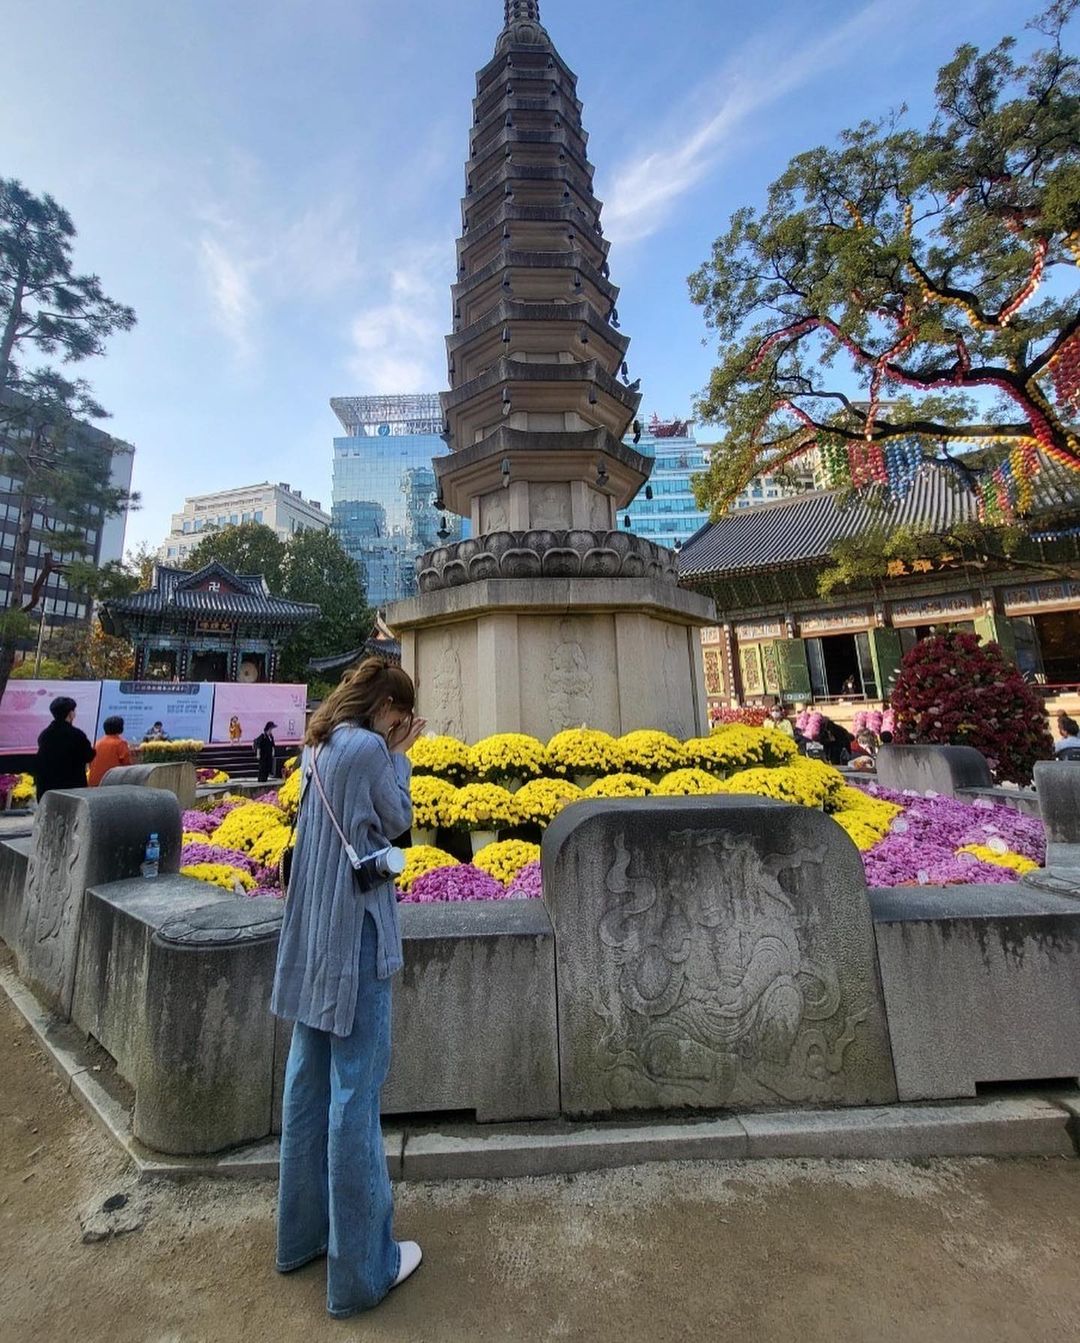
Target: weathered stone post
<point x="712" y="952"/>
<point x="83" y="837"/>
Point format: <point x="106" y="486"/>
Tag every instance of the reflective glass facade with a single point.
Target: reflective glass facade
<point x="670" y="515"/>
<point x="383" y="505"/>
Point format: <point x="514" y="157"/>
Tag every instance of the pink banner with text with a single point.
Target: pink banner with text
<point x="242" y="711"/>
<point x="24" y="710"/>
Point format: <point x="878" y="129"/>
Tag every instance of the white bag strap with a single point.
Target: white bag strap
<point x="350" y="852"/>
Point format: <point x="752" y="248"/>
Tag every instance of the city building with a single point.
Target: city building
<point x="281" y="508"/>
<point x="777" y="636"/>
<point x="212" y="625"/>
<point x="102" y="541"/>
<point x="665" y="509"/>
<point x="385" y="492"/>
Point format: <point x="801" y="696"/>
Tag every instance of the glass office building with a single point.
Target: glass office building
<point x="664" y="511"/>
<point x="383" y="510"/>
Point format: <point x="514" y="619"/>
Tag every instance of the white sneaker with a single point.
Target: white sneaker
<point x="411" y="1254"/>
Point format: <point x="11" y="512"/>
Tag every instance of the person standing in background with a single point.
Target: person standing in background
<point x="265" y="745"/>
<point x="110" y="751"/>
<point x="64" y="751"/>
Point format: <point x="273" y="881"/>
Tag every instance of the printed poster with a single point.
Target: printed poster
<point x="184" y="708"/>
<point x="242" y="711"/>
<point x="24" y="710"/>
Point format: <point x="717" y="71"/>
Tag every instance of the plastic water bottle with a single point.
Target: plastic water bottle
<point x="151" y="857"/>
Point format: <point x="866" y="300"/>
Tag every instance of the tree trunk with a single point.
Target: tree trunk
<point x="11" y="326"/>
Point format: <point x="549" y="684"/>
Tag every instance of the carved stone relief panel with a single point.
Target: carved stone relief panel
<point x="713" y="952"/>
<point x="549" y="506"/>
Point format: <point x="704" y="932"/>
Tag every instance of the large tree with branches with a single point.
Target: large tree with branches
<point x="913" y="295"/>
<point x="60" y="468"/>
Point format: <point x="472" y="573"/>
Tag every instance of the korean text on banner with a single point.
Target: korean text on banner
<point x="24" y="710"/>
<point x="184" y="708"/>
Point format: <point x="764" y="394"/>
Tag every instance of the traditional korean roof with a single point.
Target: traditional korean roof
<point x="178" y="593"/>
<point x="804" y="528"/>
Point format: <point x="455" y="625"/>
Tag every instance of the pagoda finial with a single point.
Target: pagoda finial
<point x="522" y="26"/>
<point x="522" y="9"/>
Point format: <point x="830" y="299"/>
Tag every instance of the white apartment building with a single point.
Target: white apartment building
<point x="279" y="507"/>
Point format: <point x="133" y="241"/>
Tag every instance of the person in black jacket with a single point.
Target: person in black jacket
<point x="264" y="748"/>
<point x="64" y="751"/>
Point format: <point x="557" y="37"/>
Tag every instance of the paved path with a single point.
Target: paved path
<point x="949" y="1252"/>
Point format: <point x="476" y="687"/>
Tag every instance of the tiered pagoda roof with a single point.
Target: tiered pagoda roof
<point x="536" y="348"/>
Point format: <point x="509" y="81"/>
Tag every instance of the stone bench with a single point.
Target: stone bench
<point x="939" y="769"/>
<point x="982" y="985"/>
<point x="177" y="777"/>
<point x="14" y="861"/>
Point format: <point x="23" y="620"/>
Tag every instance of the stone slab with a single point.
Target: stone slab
<point x="982" y="985"/>
<point x="110" y="999"/>
<point x="204" y="1075"/>
<point x="508" y="1156"/>
<point x="712" y="952"/>
<point x="1013" y="1127"/>
<point x="14" y="861"/>
<point x="177" y="777"/>
<point x="1058" y="786"/>
<point x="83" y="837"/>
<point x="1023" y="800"/>
<point x="938" y="769"/>
<point x="475" y="1025"/>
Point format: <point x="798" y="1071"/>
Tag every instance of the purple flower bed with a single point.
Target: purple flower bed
<point x="212" y="853"/>
<point x="921" y="846"/>
<point x="453" y="884"/>
<point x="527" y="885"/>
<point x="201" y="821"/>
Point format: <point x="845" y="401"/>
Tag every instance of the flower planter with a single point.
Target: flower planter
<point x="423" y="835"/>
<point x="481" y="838"/>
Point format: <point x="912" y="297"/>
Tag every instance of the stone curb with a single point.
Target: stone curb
<point x="1029" y="1124"/>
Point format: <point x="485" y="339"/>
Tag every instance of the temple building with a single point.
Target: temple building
<point x="211" y="625"/>
<point x="550" y="614"/>
<point x="776" y="636"/>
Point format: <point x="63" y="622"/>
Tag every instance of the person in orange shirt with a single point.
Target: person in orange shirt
<point x="112" y="750"/>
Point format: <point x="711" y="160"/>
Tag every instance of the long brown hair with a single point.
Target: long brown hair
<point x="363" y="688"/>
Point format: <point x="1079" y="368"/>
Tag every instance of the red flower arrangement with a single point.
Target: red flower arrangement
<point x="954" y="691"/>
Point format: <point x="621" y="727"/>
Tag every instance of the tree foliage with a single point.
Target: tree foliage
<point x="317" y="569"/>
<point x="910" y="293"/>
<point x="248" y="548"/>
<point x="60" y="467"/>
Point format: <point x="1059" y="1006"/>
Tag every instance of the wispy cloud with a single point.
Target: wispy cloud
<point x="644" y="190"/>
<point x="228" y="276"/>
<point x="397" y="342"/>
<point x="254" y="258"/>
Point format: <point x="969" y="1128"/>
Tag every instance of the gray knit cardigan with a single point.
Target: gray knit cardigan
<point x="319" y="952"/>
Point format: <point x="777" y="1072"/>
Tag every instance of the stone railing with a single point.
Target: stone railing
<point x="545" y="554"/>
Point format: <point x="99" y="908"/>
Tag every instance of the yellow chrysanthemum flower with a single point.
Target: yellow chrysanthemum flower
<point x="688" y="783"/>
<point x="272" y="843"/>
<point x="620" y="785"/>
<point x="650" y="752"/>
<point x="432" y="800"/>
<point x="505" y="860"/>
<point x="423" y="858"/>
<point x="243" y="825"/>
<point x="1016" y="861"/>
<point x="506" y="755"/>
<point x="220" y="874"/>
<point x="289" y="794"/>
<point x="583" y="750"/>
<point x="444" y="756"/>
<point x="540" y="800"/>
<point x="482" y="806"/>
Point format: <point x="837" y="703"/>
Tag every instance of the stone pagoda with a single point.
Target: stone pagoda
<point x="550" y="615"/>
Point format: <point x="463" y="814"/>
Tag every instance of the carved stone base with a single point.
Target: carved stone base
<point x="541" y="655"/>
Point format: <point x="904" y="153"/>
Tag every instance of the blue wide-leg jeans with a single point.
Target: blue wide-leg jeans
<point x="334" y="1193"/>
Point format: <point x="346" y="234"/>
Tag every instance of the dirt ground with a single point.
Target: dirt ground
<point x="941" y="1252"/>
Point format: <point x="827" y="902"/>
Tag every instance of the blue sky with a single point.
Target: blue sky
<point x="274" y="186"/>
